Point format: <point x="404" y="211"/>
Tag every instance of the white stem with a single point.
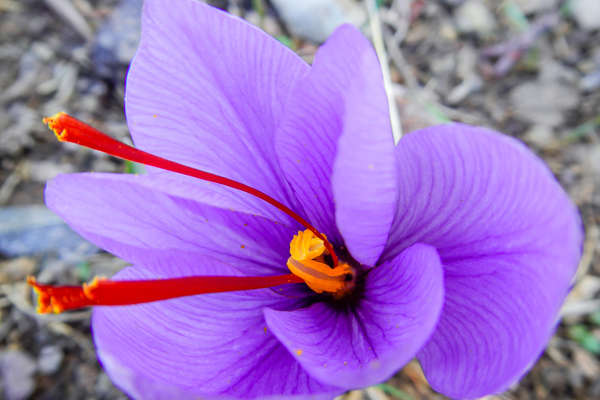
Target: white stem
<point x="377" y="37"/>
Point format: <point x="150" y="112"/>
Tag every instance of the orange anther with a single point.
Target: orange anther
<point x="306" y="262"/>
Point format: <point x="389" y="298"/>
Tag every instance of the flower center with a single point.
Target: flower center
<point x="308" y="249"/>
<point x="307" y="261"/>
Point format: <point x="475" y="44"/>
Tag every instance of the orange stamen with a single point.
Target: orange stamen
<point x="69" y="129"/>
<point x="104" y="292"/>
<point x="306" y="262"/>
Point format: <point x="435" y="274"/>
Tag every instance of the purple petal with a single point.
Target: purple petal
<point x="339" y="107"/>
<point x="206" y="89"/>
<point x="208" y="346"/>
<point x="125" y="215"/>
<point x="364" y="343"/>
<point x="364" y="172"/>
<point x="509" y="239"/>
<point x="306" y="143"/>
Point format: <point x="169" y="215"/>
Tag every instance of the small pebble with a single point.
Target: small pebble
<point x="586" y="13"/>
<point x="50" y="359"/>
<point x="536" y="6"/>
<point x="543" y="102"/>
<point x="16" y="269"/>
<point x="591" y="81"/>
<point x="473" y="16"/>
<point x="116" y="41"/>
<point x="540" y="135"/>
<point x="16" y="370"/>
<point x="315" y="20"/>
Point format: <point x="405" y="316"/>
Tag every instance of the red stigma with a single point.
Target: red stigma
<point x="69" y="129"/>
<point x="105" y="292"/>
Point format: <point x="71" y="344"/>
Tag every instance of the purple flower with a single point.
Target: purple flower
<point x="463" y="243"/>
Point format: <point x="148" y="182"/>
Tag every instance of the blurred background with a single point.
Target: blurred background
<point x="529" y="68"/>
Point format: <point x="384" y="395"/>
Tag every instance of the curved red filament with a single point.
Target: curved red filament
<point x="69" y="129"/>
<point x="104" y="292"/>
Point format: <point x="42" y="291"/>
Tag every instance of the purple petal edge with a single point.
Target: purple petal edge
<point x="362" y="344"/>
<point x="509" y="239"/>
<point x="207" y="89"/>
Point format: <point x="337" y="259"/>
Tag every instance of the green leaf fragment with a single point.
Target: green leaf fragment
<point x="585" y="338"/>
<point x="595" y="318"/>
<point x="585" y="129"/>
<point x="591" y="343"/>
<point x="515" y="16"/>
<point x="83" y="271"/>
<point x="437" y="113"/>
<point x="395" y="392"/>
<point x="259" y="7"/>
<point x="133" y="167"/>
<point x="286" y="41"/>
<point x="565" y="9"/>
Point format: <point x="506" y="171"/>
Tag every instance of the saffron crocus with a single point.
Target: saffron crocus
<point x="457" y="246"/>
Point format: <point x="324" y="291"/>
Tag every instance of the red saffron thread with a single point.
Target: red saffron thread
<point x="104" y="292"/>
<point x="69" y="129"/>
